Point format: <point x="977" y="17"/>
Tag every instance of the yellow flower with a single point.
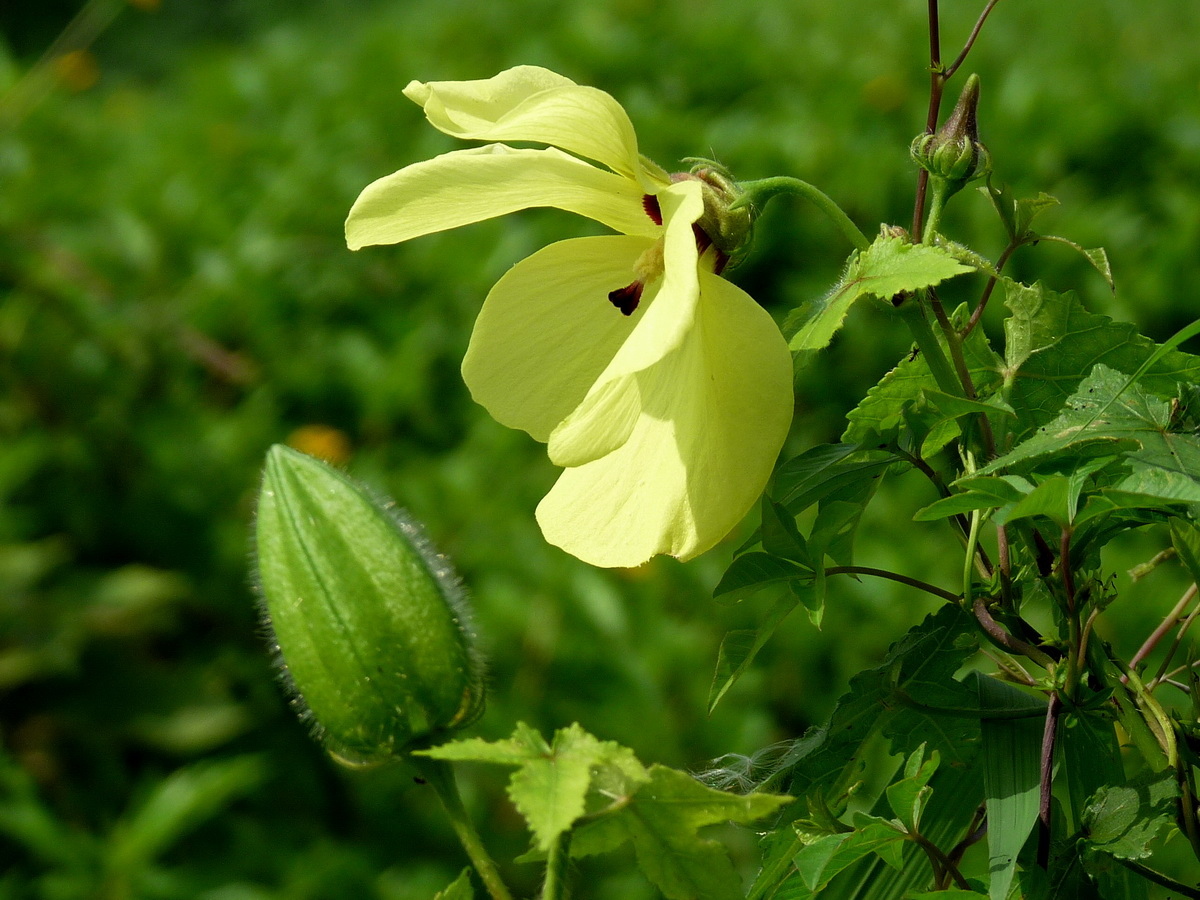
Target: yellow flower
<point x="661" y="389"/>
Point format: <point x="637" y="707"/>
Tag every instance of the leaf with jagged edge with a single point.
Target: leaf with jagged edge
<point x="882" y="412"/>
<point x="662" y="821"/>
<point x="755" y="571"/>
<point x="551" y="784"/>
<point x="1122" y="819"/>
<point x="890" y="266"/>
<point x="1053" y="343"/>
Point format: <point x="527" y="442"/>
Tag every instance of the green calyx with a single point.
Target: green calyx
<point x="954" y="153"/>
<point x="369" y="622"/>
<point x="729" y="225"/>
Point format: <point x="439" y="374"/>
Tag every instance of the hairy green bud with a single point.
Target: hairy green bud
<point x="727" y="224"/>
<point x="955" y="153"/>
<point x="369" y="622"/>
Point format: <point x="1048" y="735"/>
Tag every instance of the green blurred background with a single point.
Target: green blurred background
<point x="175" y="296"/>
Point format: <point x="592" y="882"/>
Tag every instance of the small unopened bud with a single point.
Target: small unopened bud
<point x="368" y="620"/>
<point x="955" y="153"/>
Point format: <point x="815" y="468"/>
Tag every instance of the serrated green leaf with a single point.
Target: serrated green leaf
<point x="983" y="492"/>
<point x="662" y="821"/>
<point x="752" y="572"/>
<point x="1053" y="343"/>
<point x="1121" y="820"/>
<point x="459" y="889"/>
<point x="948" y="894"/>
<point x="738" y="648"/>
<point x="1011" y="779"/>
<point x="1108" y="417"/>
<point x="550" y="792"/>
<point x="889" y="266"/>
<point x="552" y="781"/>
<point x="525" y="744"/>
<point x="906" y="386"/>
<point x="820" y="861"/>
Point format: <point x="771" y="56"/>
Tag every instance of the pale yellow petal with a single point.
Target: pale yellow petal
<point x="715" y="413"/>
<point x="547" y="330"/>
<point x="604" y="420"/>
<point x="484" y="182"/>
<point x="529" y="103"/>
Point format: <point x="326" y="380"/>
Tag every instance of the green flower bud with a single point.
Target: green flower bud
<point x="368" y="621"/>
<point x="728" y="228"/>
<point x="955" y="153"/>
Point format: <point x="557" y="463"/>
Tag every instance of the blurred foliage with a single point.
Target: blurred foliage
<point x="175" y="296"/>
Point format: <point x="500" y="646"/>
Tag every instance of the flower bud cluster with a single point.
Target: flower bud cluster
<point x="955" y="153"/>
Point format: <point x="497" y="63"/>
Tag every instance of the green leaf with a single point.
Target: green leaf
<point x="752" y="572"/>
<point x="948" y="894"/>
<point x="1053" y="343"/>
<point x="459" y="889"/>
<point x="825" y="469"/>
<point x="1122" y="820"/>
<point x="1185" y="538"/>
<point x="1095" y="255"/>
<point x="1108" y="417"/>
<point x="907" y="797"/>
<point x="525" y="745"/>
<point x="909" y="384"/>
<point x="738" y="648"/>
<point x="889" y="266"/>
<point x="981" y="492"/>
<point x="662" y="821"/>
<point x="780" y="536"/>
<point x="921" y="664"/>
<point x="552" y="781"/>
<point x="827" y="856"/>
<point x="1011" y="779"/>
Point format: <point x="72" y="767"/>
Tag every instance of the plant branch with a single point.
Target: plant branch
<point x="940" y="862"/>
<point x="892" y="576"/>
<point x="1049" y="736"/>
<point x="756" y="194"/>
<point x="936" y="85"/>
<point x="988" y="288"/>
<point x="1004" y="639"/>
<point x="1160" y="879"/>
<point x="961" y="58"/>
<point x="1164" y="627"/>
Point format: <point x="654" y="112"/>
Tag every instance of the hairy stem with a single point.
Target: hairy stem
<point x="757" y="193"/>
<point x="440" y="777"/>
